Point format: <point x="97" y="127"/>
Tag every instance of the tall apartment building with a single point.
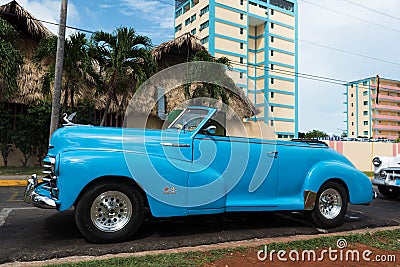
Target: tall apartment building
<point x="367" y="118"/>
<point x="260" y="39"/>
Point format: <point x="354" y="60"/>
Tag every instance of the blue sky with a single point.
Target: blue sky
<point x="320" y="104"/>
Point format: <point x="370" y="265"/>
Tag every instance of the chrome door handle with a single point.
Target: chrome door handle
<point x="175" y="144"/>
<point x="273" y="154"/>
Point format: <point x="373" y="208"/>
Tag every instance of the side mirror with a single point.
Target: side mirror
<point x="211" y="129"/>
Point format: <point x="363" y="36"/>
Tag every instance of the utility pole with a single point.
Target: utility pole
<point x="55" y="109"/>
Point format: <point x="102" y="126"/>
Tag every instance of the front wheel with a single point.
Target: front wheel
<point x="109" y="212"/>
<point x="330" y="205"/>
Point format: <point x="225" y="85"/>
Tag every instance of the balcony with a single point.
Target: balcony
<point x="386" y="127"/>
<point x="386" y="88"/>
<point x="385" y="117"/>
<point x="387" y="98"/>
<point x="386" y="107"/>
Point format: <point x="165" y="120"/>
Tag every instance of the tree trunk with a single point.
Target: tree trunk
<point x="103" y="120"/>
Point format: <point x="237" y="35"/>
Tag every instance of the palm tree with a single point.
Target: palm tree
<point x="78" y="71"/>
<point x="218" y="75"/>
<point x="125" y="62"/>
<point x="11" y="59"/>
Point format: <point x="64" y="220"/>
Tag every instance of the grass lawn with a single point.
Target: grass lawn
<point x="384" y="240"/>
<point x="19" y="170"/>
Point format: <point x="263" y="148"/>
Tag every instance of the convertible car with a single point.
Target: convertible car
<point x="111" y="175"/>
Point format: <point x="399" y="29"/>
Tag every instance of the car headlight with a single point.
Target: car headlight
<point x="382" y="174"/>
<point x="377" y="162"/>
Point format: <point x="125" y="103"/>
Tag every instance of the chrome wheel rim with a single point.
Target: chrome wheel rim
<point x="330" y="203"/>
<point x="111" y="211"/>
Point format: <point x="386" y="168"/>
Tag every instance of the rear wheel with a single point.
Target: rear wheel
<point x="109" y="212"/>
<point x="388" y="191"/>
<point x="330" y="205"/>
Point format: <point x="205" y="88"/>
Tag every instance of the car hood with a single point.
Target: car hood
<point x="106" y="138"/>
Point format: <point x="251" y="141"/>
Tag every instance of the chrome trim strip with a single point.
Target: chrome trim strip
<point x="175" y="144"/>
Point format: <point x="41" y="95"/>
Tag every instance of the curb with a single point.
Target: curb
<point x="4" y="183"/>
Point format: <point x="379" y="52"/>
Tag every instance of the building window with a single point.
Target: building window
<point x="241" y="75"/>
<point x="193" y="32"/>
<point x="365" y="133"/>
<point x="241" y="16"/>
<point x="178" y="28"/>
<point x="204" y="25"/>
<point x="272" y="123"/>
<point x="365" y="93"/>
<point x="272" y="95"/>
<point x="352" y="133"/>
<point x="272" y="108"/>
<point x="204" y="10"/>
<point x="241" y="45"/>
<point x="365" y="122"/>
<point x="352" y="104"/>
<point x="351" y="95"/>
<point x="204" y="40"/>
<point x="272" y="53"/>
<point x="241" y="30"/>
<point x="272" y="25"/>
<point x="280" y="136"/>
<point x="272" y="80"/>
<point x="252" y="3"/>
<point x="365" y="112"/>
<point x="289" y="6"/>
<point x="352" y="123"/>
<point x="352" y="114"/>
<point x="187" y="22"/>
<point x="241" y="60"/>
<point x="241" y="2"/>
<point x="178" y="13"/>
<point x="272" y="39"/>
<point x="365" y="103"/>
<point x="272" y="12"/>
<point x="365" y="83"/>
<point x="272" y="67"/>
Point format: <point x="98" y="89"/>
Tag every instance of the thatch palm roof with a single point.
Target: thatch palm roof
<point x="177" y="50"/>
<point x="22" y="20"/>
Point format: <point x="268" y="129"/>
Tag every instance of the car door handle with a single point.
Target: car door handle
<point x="273" y="154"/>
<point x="175" y="144"/>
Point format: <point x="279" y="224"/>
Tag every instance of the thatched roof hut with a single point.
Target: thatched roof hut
<point x="31" y="31"/>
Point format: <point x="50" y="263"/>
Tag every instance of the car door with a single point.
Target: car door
<point x="232" y="173"/>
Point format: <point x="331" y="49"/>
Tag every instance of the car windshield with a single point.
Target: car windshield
<point x="189" y="120"/>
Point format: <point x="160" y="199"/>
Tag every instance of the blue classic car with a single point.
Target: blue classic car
<point x="110" y="175"/>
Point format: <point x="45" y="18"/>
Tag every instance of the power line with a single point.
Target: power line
<point x="353" y="17"/>
<point x="349" y="52"/>
<point x="279" y="71"/>
<point x="47" y="22"/>
<point x="373" y="10"/>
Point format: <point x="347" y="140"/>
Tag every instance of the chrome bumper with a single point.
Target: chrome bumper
<point x="32" y="196"/>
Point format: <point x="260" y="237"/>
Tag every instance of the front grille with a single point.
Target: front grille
<point x="49" y="176"/>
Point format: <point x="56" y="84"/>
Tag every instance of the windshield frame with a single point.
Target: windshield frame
<point x="210" y="113"/>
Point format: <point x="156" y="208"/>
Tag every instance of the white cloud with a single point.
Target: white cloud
<point x="157" y="12"/>
<point x="49" y="10"/>
<point x="321" y="104"/>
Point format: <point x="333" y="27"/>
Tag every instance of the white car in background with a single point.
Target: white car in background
<point x="387" y="175"/>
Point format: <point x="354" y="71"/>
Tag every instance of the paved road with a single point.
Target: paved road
<point x="28" y="233"/>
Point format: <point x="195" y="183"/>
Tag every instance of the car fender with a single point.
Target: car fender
<point x="358" y="185"/>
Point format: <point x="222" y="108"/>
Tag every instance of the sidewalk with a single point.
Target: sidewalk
<point x="14" y="180"/>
